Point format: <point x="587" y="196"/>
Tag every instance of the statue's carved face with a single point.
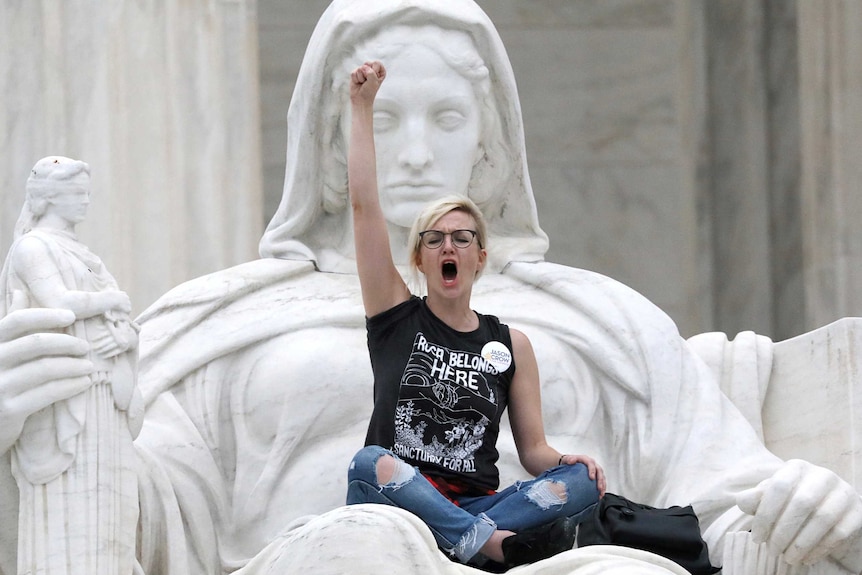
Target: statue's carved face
<point x="427" y="133"/>
<point x="70" y="202"/>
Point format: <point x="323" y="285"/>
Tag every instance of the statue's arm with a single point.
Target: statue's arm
<point x="34" y="264"/>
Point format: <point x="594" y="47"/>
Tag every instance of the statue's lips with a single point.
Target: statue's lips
<point x="416" y="190"/>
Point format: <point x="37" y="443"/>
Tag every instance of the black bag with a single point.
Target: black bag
<point x="673" y="532"/>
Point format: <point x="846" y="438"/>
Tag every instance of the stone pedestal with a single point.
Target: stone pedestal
<point x="815" y="384"/>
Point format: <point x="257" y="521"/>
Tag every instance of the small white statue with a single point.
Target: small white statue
<point x="74" y="459"/>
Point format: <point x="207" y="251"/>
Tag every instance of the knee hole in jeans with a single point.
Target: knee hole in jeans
<point x="392" y="472"/>
<point x="548" y="493"/>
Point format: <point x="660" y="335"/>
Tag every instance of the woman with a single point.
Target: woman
<point x="73" y="461"/>
<point x="420" y="398"/>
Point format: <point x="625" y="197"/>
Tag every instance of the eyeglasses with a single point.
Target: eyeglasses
<point x="433" y="239"/>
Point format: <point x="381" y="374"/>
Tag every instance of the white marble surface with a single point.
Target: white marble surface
<point x="162" y="100"/>
<point x="388" y="537"/>
<point x="823" y="368"/>
<point x="257" y="387"/>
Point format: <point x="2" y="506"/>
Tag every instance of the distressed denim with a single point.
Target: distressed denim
<point x="461" y="531"/>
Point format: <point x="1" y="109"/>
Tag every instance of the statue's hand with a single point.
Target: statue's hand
<point x="804" y="512"/>
<point x="37" y="369"/>
<point x="365" y="81"/>
<point x="118" y="301"/>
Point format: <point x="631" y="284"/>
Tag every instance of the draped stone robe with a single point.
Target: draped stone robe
<point x="74" y="461"/>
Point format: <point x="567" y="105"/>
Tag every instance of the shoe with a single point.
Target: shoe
<point x="540" y="542"/>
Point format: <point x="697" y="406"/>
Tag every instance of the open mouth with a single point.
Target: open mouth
<point x="450" y="271"/>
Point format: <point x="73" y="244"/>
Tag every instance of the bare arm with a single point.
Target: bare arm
<point x="382" y="285"/>
<point x="33" y="263"/>
<point x="525" y="415"/>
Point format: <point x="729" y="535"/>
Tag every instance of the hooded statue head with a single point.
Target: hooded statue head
<point x="313" y="221"/>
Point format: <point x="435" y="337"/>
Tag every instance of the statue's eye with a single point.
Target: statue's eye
<point x="450" y="120"/>
<point x="384" y="121"/>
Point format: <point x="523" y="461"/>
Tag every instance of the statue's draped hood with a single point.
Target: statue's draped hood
<point x="302" y="228"/>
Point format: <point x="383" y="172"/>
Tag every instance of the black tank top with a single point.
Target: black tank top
<point x="439" y="393"/>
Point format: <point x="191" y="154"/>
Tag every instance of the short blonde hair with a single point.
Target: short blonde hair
<point x="433" y="212"/>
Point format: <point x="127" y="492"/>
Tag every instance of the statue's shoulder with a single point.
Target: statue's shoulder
<point x="31" y="244"/>
<point x="33" y="251"/>
<point x="595" y="294"/>
<point x="198" y="320"/>
<point x="553" y="277"/>
<point x="228" y="283"/>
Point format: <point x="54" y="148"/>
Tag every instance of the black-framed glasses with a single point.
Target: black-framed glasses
<point x="433" y="239"/>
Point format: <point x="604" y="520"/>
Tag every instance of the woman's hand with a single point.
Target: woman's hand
<point x="365" y="81"/>
<point x="37" y="369"/>
<point x="596" y="472"/>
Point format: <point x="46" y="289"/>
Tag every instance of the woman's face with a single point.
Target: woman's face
<point x="450" y="271"/>
<point x="70" y="203"/>
<point x="426" y="133"/>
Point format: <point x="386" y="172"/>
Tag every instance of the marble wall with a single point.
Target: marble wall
<point x="607" y="92"/>
<point x="784" y="185"/>
<point x="161" y="99"/>
<point x="830" y="48"/>
<point x="698" y="151"/>
<point x="701" y="152"/>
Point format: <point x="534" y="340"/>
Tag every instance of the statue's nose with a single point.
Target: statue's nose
<point x="416" y="153"/>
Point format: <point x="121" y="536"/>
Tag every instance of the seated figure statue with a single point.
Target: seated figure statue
<point x="257" y="382"/>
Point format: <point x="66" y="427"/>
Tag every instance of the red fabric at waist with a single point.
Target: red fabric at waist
<point x="452" y="489"/>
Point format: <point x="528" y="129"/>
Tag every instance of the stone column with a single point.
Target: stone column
<point x="161" y="99"/>
<point x="739" y="174"/>
<point x="830" y="51"/>
<point x="753" y="184"/>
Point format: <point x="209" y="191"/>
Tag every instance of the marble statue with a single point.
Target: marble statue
<point x="263" y="367"/>
<point x="257" y="385"/>
<point x="73" y="460"/>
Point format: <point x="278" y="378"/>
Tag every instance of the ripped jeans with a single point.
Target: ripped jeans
<point x="461" y="531"/>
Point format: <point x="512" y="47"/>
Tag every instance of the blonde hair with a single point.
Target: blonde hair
<point x="428" y="216"/>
